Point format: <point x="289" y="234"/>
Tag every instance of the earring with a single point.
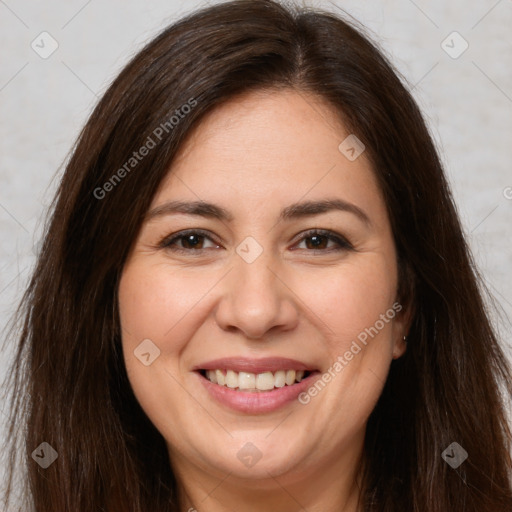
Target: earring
<point x="405" y="339"/>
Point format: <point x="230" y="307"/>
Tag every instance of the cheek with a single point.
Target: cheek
<point x="151" y="305"/>
<point x="154" y="301"/>
<point x="350" y="306"/>
<point x="349" y="299"/>
<point x="155" y="305"/>
<point x="167" y="306"/>
<point x="161" y="303"/>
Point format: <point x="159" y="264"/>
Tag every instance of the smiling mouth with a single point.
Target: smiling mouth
<point x="255" y="383"/>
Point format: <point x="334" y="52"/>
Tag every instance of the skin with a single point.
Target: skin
<point x="253" y="156"/>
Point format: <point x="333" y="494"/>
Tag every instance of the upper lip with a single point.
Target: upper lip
<point x="244" y="364"/>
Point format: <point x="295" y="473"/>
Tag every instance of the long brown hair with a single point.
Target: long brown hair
<point x="69" y="384"/>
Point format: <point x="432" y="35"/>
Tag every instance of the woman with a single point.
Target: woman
<point x="254" y="292"/>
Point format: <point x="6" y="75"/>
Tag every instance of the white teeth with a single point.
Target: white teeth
<point x="279" y="378"/>
<point x="231" y="379"/>
<point x="265" y="381"/>
<point x="290" y="377"/>
<point x="221" y="379"/>
<point x="246" y="380"/>
<point x="212" y="375"/>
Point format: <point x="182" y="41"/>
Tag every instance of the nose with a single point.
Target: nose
<point x="256" y="299"/>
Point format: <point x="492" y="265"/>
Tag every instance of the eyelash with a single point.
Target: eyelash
<point x="344" y="244"/>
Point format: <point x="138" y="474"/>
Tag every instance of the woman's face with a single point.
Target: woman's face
<point x="256" y="298"/>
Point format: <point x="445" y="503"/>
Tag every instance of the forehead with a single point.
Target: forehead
<point x="269" y="148"/>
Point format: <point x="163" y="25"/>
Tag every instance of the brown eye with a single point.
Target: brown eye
<point x="192" y="241"/>
<point x="319" y="240"/>
<point x="186" y="241"/>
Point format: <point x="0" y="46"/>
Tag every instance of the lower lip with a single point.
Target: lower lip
<point x="257" y="402"/>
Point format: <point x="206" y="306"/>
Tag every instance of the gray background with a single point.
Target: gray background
<point x="466" y="100"/>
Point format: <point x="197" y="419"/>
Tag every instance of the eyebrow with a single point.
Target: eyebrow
<point x="294" y="211"/>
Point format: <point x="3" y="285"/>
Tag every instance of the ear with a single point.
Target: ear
<point x="401" y="326"/>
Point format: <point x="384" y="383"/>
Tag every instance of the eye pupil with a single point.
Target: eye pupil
<point x="189" y="240"/>
<point x="317" y="240"/>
